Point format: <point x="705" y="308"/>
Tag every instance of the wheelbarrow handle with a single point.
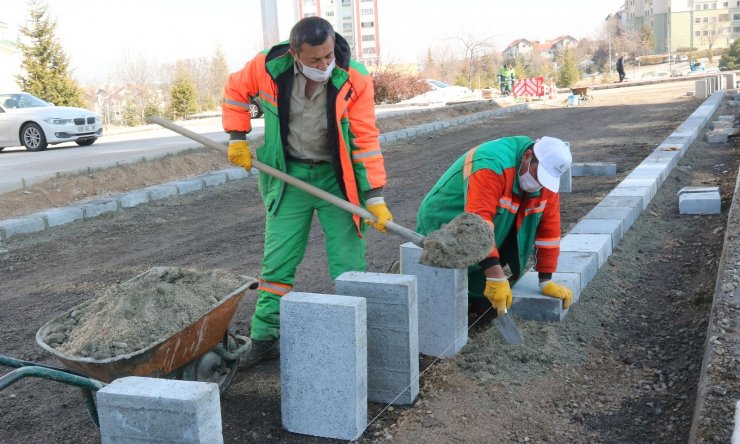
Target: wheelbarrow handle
<point x="393" y="227"/>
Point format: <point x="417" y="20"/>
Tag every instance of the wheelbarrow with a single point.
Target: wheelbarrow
<point x="203" y="351"/>
<point x="582" y="93"/>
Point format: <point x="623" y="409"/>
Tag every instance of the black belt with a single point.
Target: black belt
<point x="306" y="161"/>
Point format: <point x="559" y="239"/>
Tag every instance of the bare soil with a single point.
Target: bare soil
<point x="622" y="367"/>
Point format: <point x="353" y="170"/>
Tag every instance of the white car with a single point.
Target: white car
<point x="442" y="92"/>
<point x="26" y="120"/>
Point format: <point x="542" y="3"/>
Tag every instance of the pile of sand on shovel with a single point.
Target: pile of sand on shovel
<point x="465" y="240"/>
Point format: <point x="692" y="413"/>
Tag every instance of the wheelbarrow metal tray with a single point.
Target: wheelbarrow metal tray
<point x="162" y="357"/>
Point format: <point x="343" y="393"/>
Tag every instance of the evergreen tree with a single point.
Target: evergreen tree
<point x="568" y="73"/>
<point x="45" y="63"/>
<point x="131" y="115"/>
<point x="730" y="59"/>
<point x="183" y="97"/>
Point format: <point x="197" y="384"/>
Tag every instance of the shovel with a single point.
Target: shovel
<point x="464" y="241"/>
<point x="507" y="327"/>
<point x="393" y="227"/>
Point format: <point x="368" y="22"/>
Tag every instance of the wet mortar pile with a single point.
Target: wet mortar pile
<point x="465" y="240"/>
<point x="135" y="314"/>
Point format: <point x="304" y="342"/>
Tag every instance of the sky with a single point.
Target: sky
<point x="97" y="36"/>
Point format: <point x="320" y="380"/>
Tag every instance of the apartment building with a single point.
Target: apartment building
<point x="548" y="49"/>
<point x="680" y="24"/>
<point x="355" y="20"/>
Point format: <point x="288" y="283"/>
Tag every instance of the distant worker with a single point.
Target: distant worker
<point x="506" y="78"/>
<point x="512" y="183"/>
<point x="620" y="68"/>
<point x="319" y="128"/>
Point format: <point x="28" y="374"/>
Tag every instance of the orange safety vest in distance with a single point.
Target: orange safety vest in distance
<point x="485" y="181"/>
<point x="351" y="131"/>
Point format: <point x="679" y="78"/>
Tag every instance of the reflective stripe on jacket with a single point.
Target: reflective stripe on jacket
<point x="352" y="133"/>
<point x="485" y="181"/>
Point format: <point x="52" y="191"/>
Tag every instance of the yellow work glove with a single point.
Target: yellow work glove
<point x="377" y="207"/>
<point x="550" y="288"/>
<point x="498" y="292"/>
<point x="239" y="154"/>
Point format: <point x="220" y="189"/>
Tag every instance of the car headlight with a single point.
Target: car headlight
<point x="57" y="121"/>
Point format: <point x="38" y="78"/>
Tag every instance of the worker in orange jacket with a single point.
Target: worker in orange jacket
<point x="320" y="128"/>
<point x="512" y="183"/>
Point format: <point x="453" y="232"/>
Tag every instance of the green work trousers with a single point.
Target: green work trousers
<point x="286" y="236"/>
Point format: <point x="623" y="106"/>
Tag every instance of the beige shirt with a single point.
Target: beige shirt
<point x="307" y="126"/>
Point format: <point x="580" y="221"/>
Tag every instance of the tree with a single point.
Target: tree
<point x="476" y="54"/>
<point x="730" y="59"/>
<point x="568" y="73"/>
<point x="711" y="30"/>
<point x="45" y="63"/>
<point x="139" y="74"/>
<point x="183" y="98"/>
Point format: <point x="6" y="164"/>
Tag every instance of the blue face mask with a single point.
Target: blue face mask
<point x="527" y="182"/>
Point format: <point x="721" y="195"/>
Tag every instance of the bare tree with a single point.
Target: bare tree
<point x="476" y="52"/>
<point x="712" y="29"/>
<point x="139" y="74"/>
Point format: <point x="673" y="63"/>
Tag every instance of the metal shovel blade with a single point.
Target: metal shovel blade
<point x="507" y="327"/>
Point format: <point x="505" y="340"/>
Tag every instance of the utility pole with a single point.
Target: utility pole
<point x="609" y="40"/>
<point x="270" y="34"/>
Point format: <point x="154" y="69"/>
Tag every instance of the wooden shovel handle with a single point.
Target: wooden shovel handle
<point x="393" y="227"/>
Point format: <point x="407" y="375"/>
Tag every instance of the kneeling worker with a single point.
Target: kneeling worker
<point x="512" y="183"/>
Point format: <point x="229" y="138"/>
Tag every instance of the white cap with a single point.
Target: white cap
<point x="554" y="159"/>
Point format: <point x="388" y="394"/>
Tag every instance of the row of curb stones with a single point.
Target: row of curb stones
<point x="87" y="210"/>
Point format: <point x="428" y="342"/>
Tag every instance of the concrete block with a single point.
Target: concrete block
<point x="645" y="193"/>
<point x="530" y="281"/>
<point x="61" y="216"/>
<point x="727" y="118"/>
<point x="95" y="208"/>
<point x="323" y="365"/>
<point x="649" y="171"/>
<point x="213" y="179"/>
<point x="443" y="304"/>
<point x="530" y="304"/>
<point x="632" y="202"/>
<point x="392" y="333"/>
<point x="188" y="186"/>
<point x="699" y="200"/>
<point x="722" y="124"/>
<point x="236" y="173"/>
<point x="21" y="225"/>
<point x="729" y="80"/>
<point x="584" y="264"/>
<point x="601" y="244"/>
<point x="702" y="89"/>
<point x="614" y="228"/>
<point x="132" y="199"/>
<point x="594" y="169"/>
<point x="566" y="182"/>
<point x="715" y="136"/>
<point x="161" y="192"/>
<point x="149" y="410"/>
<point x="9" y="185"/>
<point x="651" y="183"/>
<point x="626" y="215"/>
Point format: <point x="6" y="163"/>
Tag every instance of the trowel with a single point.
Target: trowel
<point x="506" y="325"/>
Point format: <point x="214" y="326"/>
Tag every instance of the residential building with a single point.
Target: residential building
<point x="548" y="49"/>
<point x="678" y="25"/>
<point x="355" y="20"/>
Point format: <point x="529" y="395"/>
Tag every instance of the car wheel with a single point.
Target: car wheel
<point x="86" y="142"/>
<point x="255" y="110"/>
<point x="33" y="138"/>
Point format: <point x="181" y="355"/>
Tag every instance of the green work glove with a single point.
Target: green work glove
<point x="498" y="293"/>
<point x="239" y="154"/>
<point x="377" y="207"/>
<point x="550" y="288"/>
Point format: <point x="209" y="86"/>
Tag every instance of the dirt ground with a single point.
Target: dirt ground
<point x="622" y="367"/>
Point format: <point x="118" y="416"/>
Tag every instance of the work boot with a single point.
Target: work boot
<point x="254" y="351"/>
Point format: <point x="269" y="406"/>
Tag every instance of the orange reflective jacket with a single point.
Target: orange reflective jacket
<point x="352" y="134"/>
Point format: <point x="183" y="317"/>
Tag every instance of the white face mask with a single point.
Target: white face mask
<point x="527" y="182"/>
<point x="316" y="74"/>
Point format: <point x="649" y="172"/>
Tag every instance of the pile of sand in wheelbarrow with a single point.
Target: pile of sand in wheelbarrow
<point x="138" y="313"/>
